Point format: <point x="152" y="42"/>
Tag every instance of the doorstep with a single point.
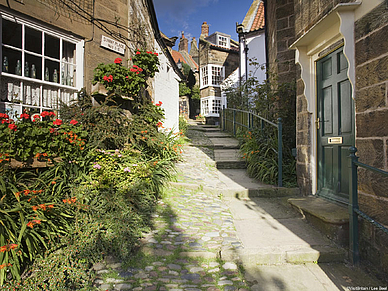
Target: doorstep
<point x="330" y="218"/>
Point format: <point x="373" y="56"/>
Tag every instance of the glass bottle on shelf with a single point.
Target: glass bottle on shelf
<point x="47" y="75"/>
<point x="18" y="68"/>
<point x="33" y="71"/>
<point x="55" y="76"/>
<point x="5" y="64"/>
<point x="26" y="70"/>
<point x="68" y="80"/>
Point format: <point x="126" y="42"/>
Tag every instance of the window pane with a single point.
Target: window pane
<point x="13" y="60"/>
<point x="51" y="46"/>
<point x="12" y="33"/>
<point x="10" y="90"/>
<point x="33" y="40"/>
<point x="34" y="65"/>
<point x="51" y="71"/>
<point x="68" y="52"/>
<point x="31" y="93"/>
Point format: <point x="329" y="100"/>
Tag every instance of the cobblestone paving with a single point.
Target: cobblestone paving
<point x="191" y="229"/>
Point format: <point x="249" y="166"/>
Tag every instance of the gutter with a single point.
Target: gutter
<point x="159" y="39"/>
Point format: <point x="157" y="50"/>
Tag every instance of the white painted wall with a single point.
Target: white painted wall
<point x="256" y="51"/>
<point x="167" y="91"/>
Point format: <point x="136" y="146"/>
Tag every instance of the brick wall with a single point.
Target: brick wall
<point x="371" y="46"/>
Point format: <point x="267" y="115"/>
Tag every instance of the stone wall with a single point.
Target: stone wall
<point x="308" y="12"/>
<point x="371" y="45"/>
<point x="281" y="34"/>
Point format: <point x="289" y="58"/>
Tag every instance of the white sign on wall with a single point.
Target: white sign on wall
<point x="113" y="45"/>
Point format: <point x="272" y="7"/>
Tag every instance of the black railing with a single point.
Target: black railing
<point x="354" y="211"/>
<point x="233" y="120"/>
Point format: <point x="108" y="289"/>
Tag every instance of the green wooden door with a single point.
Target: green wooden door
<point x="335" y="126"/>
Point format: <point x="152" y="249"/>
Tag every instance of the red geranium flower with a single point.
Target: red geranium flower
<point x="159" y="104"/>
<point x="24" y="115"/>
<point x="73" y="122"/>
<point x="12" y="126"/>
<point x="118" y="61"/>
<point x="138" y="53"/>
<point x="156" y="54"/>
<point x="52" y="130"/>
<point x="57" y="122"/>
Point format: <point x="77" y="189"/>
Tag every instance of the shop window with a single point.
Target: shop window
<point x="39" y="68"/>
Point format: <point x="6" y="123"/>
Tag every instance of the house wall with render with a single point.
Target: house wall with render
<point x="167" y="91"/>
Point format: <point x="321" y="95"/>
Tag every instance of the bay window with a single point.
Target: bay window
<point x="41" y="67"/>
<point x="211" y="105"/>
<point x="212" y="75"/>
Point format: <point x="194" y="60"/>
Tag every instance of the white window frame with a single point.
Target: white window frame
<point x="18" y="92"/>
<point x="204" y="77"/>
<point x="211" y="106"/>
<point x="223" y="41"/>
<point x="208" y="78"/>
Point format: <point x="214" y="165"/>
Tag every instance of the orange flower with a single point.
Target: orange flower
<point x="53" y="182"/>
<point x="30" y="224"/>
<point x="37" y="221"/>
<point x="12" y="246"/>
<point x="35" y="208"/>
<point x="3" y="249"/>
<point x="50" y="206"/>
<point x="73" y="199"/>
<point x="43" y="206"/>
<point x="26" y="192"/>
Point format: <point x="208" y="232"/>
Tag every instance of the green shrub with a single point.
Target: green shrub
<point x="42" y="136"/>
<point x="260" y="150"/>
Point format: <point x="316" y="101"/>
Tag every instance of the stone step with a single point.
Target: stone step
<point x="330" y="218"/>
<point x="226" y="142"/>
<point x="218" y="134"/>
<point x="272" y="232"/>
<point x="229" y="164"/>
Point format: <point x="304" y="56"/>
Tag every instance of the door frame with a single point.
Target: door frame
<point x="337" y="25"/>
<point x="337" y="197"/>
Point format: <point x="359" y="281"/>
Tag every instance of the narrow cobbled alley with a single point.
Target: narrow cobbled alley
<point x="195" y="245"/>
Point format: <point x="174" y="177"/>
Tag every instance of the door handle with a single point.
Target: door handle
<point x="317" y="123"/>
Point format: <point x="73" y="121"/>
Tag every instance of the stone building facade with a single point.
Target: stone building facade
<point x="342" y="76"/>
<point x="65" y="41"/>
<point x="218" y="58"/>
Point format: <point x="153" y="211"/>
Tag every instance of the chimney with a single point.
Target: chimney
<point x="183" y="43"/>
<point x="205" y="29"/>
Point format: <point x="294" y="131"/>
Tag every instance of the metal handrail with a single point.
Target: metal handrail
<point x="250" y="125"/>
<point x="354" y="210"/>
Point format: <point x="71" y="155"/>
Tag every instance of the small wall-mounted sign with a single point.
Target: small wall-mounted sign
<point x="113" y="45"/>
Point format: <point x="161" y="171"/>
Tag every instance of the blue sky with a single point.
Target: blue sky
<point x="175" y="16"/>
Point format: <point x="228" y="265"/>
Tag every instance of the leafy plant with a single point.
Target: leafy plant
<point x="260" y="150"/>
<point x="42" y="136"/>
